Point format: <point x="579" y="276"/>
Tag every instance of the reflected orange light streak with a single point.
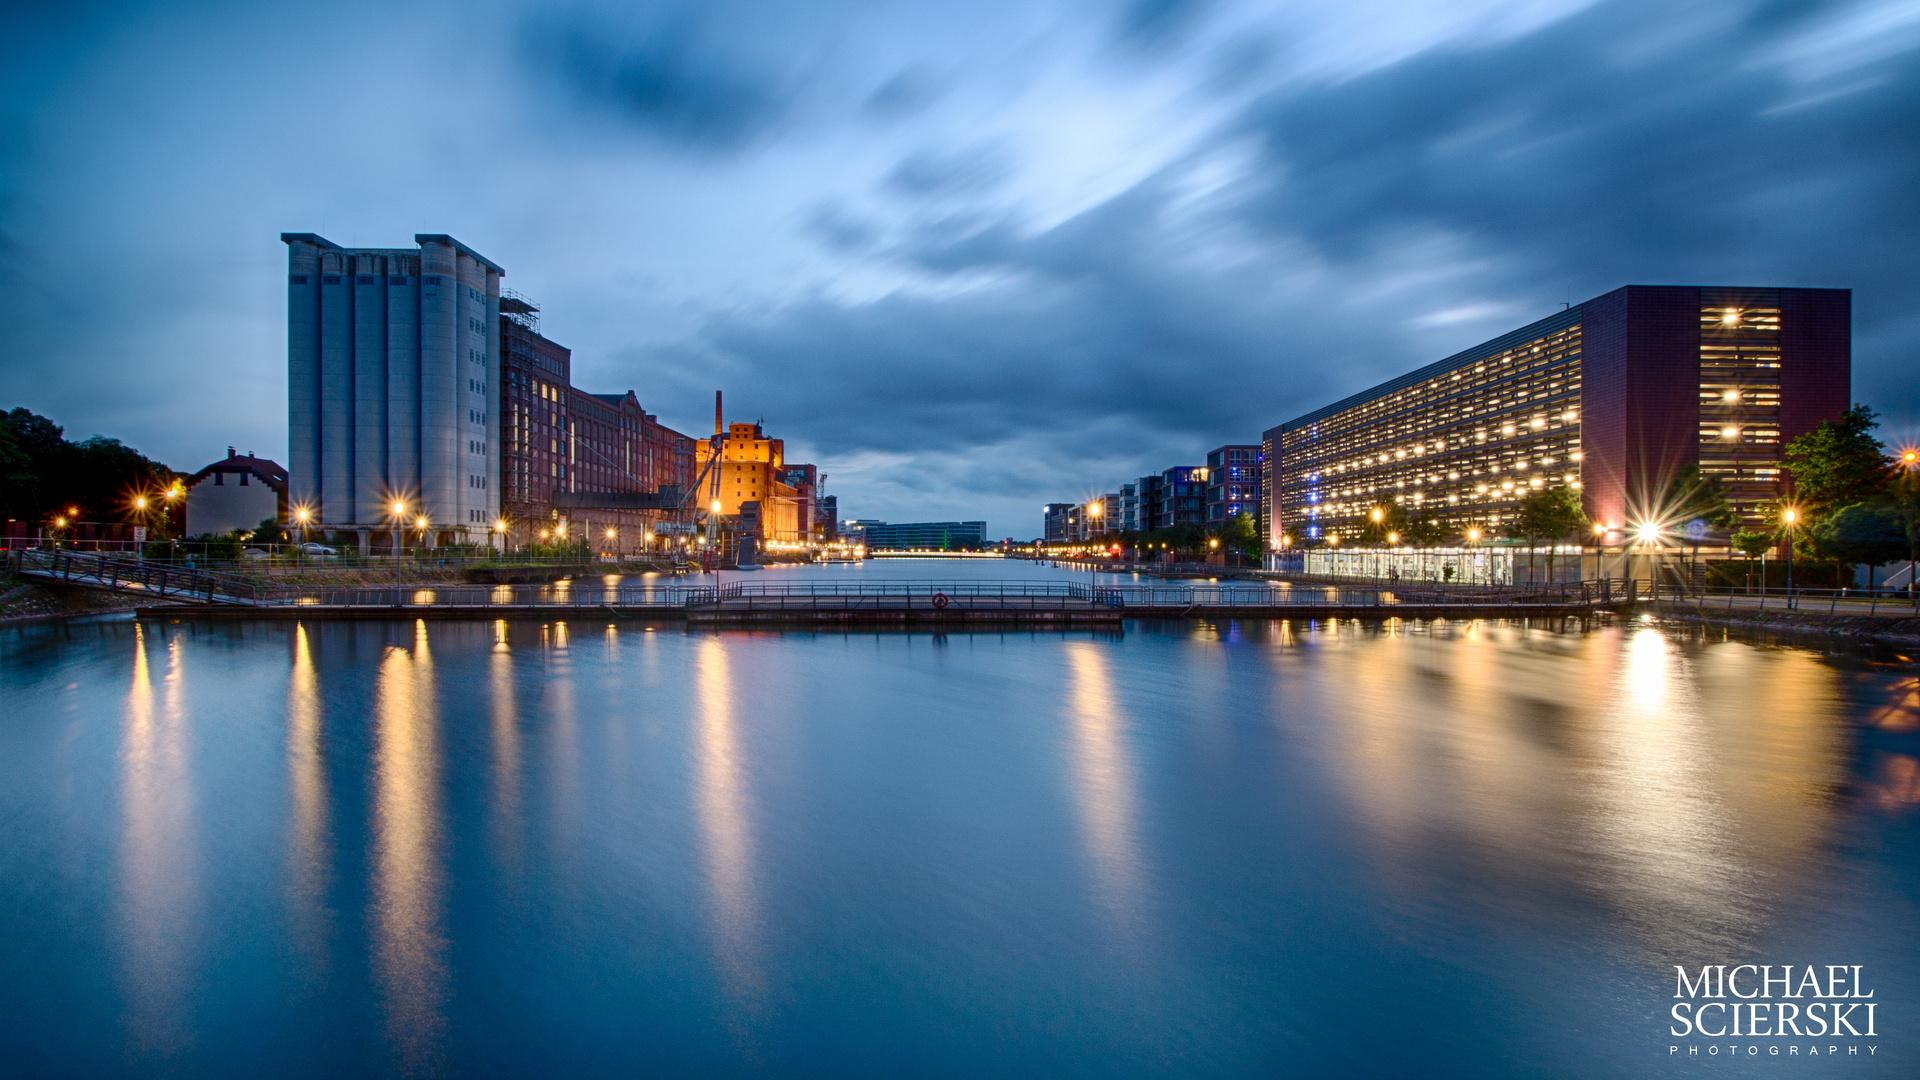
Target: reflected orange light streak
<point x="310" y="839"/>
<point x="156" y="871"/>
<point x="409" y="944"/>
<point x="1103" y="784"/>
<point x="720" y="803"/>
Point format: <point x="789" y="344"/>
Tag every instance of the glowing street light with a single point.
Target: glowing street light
<point x="1789" y="516"/>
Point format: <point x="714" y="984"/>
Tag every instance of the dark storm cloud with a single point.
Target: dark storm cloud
<point x="1584" y="150"/>
<point x="1633" y="143"/>
<point x="667" y="75"/>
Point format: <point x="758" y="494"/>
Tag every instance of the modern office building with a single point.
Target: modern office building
<point x="1130" y="516"/>
<point x="1233" y="482"/>
<point x="926" y="536"/>
<point x="1146" y="494"/>
<point x="392" y="366"/>
<point x="1100" y="515"/>
<point x="1612" y="396"/>
<point x="1180" y="498"/>
<point x="1057" y="522"/>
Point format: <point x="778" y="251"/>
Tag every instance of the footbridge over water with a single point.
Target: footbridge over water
<point x="706" y="601"/>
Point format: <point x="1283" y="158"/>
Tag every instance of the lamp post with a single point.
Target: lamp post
<point x="1910" y="468"/>
<point x="1789" y="516"/>
<point x="301" y="517"/>
<point x="397" y="532"/>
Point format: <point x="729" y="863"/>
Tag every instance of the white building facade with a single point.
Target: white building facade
<point x="393" y="356"/>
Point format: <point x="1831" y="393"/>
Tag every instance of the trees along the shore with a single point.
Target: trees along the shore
<point x="1240" y="533"/>
<point x="1836" y="465"/>
<point x="42" y="474"/>
<point x="1550" y="514"/>
<point x="1874" y="533"/>
<point x="1754" y="545"/>
<point x="1853" y="504"/>
<point x="1694" y="496"/>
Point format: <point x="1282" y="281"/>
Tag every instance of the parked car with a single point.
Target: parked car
<point x="319" y="551"/>
<point x="256" y="553"/>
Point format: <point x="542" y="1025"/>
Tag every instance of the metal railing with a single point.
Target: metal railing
<point x="1597" y="593"/>
<point x="660" y="593"/>
<point x="126" y="574"/>
<point x="1873" y="602"/>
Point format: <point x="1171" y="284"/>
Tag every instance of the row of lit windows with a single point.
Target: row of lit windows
<point x="1443" y="443"/>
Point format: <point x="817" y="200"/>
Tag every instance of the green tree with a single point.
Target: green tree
<point x="1425" y="530"/>
<point x="1550" y="514"/>
<point x="1836" y="465"/>
<point x="1694" y="496"/>
<point x="42" y="474"/>
<point x="1754" y="545"/>
<point x="1240" y="533"/>
<point x="1874" y="533"/>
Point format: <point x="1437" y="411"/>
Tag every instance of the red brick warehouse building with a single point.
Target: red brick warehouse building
<point x="1612" y="396"/>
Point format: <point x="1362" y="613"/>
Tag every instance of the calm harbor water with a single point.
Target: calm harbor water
<point x="1180" y="849"/>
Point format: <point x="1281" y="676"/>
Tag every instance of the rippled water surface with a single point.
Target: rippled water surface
<point x="582" y="848"/>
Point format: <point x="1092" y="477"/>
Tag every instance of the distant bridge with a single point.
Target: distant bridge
<point x="891" y="553"/>
<point x="813" y="602"/>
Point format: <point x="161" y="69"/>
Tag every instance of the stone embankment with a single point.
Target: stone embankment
<point x="1885" y="629"/>
<point x="27" y="603"/>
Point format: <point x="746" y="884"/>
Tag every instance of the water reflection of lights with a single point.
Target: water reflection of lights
<point x="1103" y="784"/>
<point x="1895" y="783"/>
<point x="156" y="878"/>
<point x="1683" y="789"/>
<point x="1902" y="709"/>
<point x="409" y="942"/>
<point x="309" y="840"/>
<point x="720" y="803"/>
<point x="503" y="808"/>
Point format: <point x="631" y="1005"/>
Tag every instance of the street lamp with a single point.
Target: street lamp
<point x="397" y="532"/>
<point x="1788" y="517"/>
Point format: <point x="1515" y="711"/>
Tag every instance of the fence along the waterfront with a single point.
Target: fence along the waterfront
<point x="599" y="593"/>
<point x="1468" y="565"/>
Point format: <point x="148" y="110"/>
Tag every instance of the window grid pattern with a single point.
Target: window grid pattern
<point x="1740" y="402"/>
<point x="1464" y="446"/>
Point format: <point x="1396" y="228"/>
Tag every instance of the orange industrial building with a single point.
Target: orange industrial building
<point x="751" y="482"/>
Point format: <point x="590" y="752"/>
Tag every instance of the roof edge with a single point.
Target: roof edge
<point x="443" y="238"/>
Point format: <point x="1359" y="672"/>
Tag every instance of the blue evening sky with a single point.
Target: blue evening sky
<point x="967" y="257"/>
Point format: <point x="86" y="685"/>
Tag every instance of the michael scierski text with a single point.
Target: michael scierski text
<point x="1751" y="1001"/>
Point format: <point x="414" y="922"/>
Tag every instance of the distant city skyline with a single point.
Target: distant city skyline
<point x="970" y="259"/>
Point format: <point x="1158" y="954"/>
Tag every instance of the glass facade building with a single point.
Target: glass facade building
<point x="1611" y="397"/>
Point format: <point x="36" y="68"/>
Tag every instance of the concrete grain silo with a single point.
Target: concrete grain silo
<point x="391" y="357"/>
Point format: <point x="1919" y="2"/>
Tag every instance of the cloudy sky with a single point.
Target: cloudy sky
<point x="967" y="257"/>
